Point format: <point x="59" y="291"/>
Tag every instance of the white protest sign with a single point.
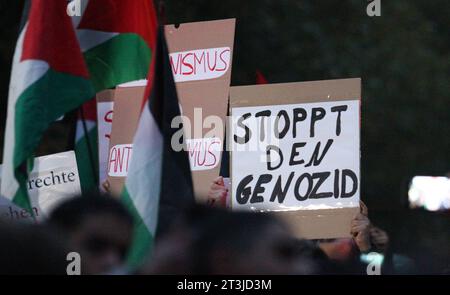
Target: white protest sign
<point x="296" y="156"/>
<point x="105" y="117"/>
<point x="54" y="178"/>
<point x="295" y="151"/>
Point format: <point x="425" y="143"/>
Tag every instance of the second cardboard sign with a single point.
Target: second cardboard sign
<point x="201" y="58"/>
<point x="295" y="149"/>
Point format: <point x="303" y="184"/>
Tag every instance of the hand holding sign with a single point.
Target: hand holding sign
<point x="217" y="195"/>
<point x="360" y="229"/>
<point x="379" y="238"/>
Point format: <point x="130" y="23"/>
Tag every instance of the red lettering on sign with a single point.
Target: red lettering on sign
<point x="225" y="63"/>
<point x="112" y="159"/>
<point x="175" y="69"/>
<point x="215" y="61"/>
<point x="108" y="119"/>
<point x="188" y="64"/>
<point x="202" y="153"/>
<point x="198" y="62"/>
<point x="119" y="160"/>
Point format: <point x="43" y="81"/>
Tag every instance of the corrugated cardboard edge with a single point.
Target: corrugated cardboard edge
<point x="127" y="110"/>
<point x="105" y="96"/>
<point x="333" y="223"/>
<point x="295" y="92"/>
<point x="307" y="224"/>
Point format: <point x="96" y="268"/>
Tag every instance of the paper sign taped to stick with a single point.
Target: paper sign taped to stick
<point x="54" y="179"/>
<point x="201" y="59"/>
<point x="296" y="150"/>
<point x="127" y="109"/>
<point x="105" y="106"/>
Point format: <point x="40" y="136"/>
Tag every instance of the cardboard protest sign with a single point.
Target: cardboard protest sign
<point x="54" y="178"/>
<point x="105" y="106"/>
<point x="296" y="150"/>
<point x="201" y="59"/>
<point x="127" y="108"/>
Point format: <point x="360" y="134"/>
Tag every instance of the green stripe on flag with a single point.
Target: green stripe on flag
<point x="142" y="244"/>
<point x="40" y="105"/>
<point x="88" y="171"/>
<point x="21" y="197"/>
<point x="124" y="58"/>
<point x="50" y="97"/>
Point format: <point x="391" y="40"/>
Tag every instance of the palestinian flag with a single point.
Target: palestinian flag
<point x="49" y="78"/>
<point x="117" y="38"/>
<point x="159" y="182"/>
<point x="86" y="145"/>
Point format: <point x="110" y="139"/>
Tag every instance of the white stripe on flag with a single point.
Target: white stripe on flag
<point x="76" y="19"/>
<point x="80" y="128"/>
<point x="144" y="177"/>
<point x="23" y="75"/>
<point x="90" y="38"/>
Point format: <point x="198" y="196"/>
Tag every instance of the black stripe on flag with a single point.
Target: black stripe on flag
<point x="25" y="13"/>
<point x="176" y="182"/>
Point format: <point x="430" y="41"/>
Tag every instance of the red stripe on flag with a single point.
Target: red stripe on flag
<point x="56" y="45"/>
<point x="89" y="110"/>
<point x="119" y="16"/>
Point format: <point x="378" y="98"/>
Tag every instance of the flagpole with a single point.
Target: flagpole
<point x="89" y="145"/>
<point x="162" y="12"/>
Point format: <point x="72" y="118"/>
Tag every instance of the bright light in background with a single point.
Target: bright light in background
<point x="372" y="257"/>
<point x="430" y="193"/>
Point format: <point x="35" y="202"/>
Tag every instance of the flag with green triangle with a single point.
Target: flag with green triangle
<point x="49" y="78"/>
<point x="117" y="39"/>
<point x="159" y="183"/>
